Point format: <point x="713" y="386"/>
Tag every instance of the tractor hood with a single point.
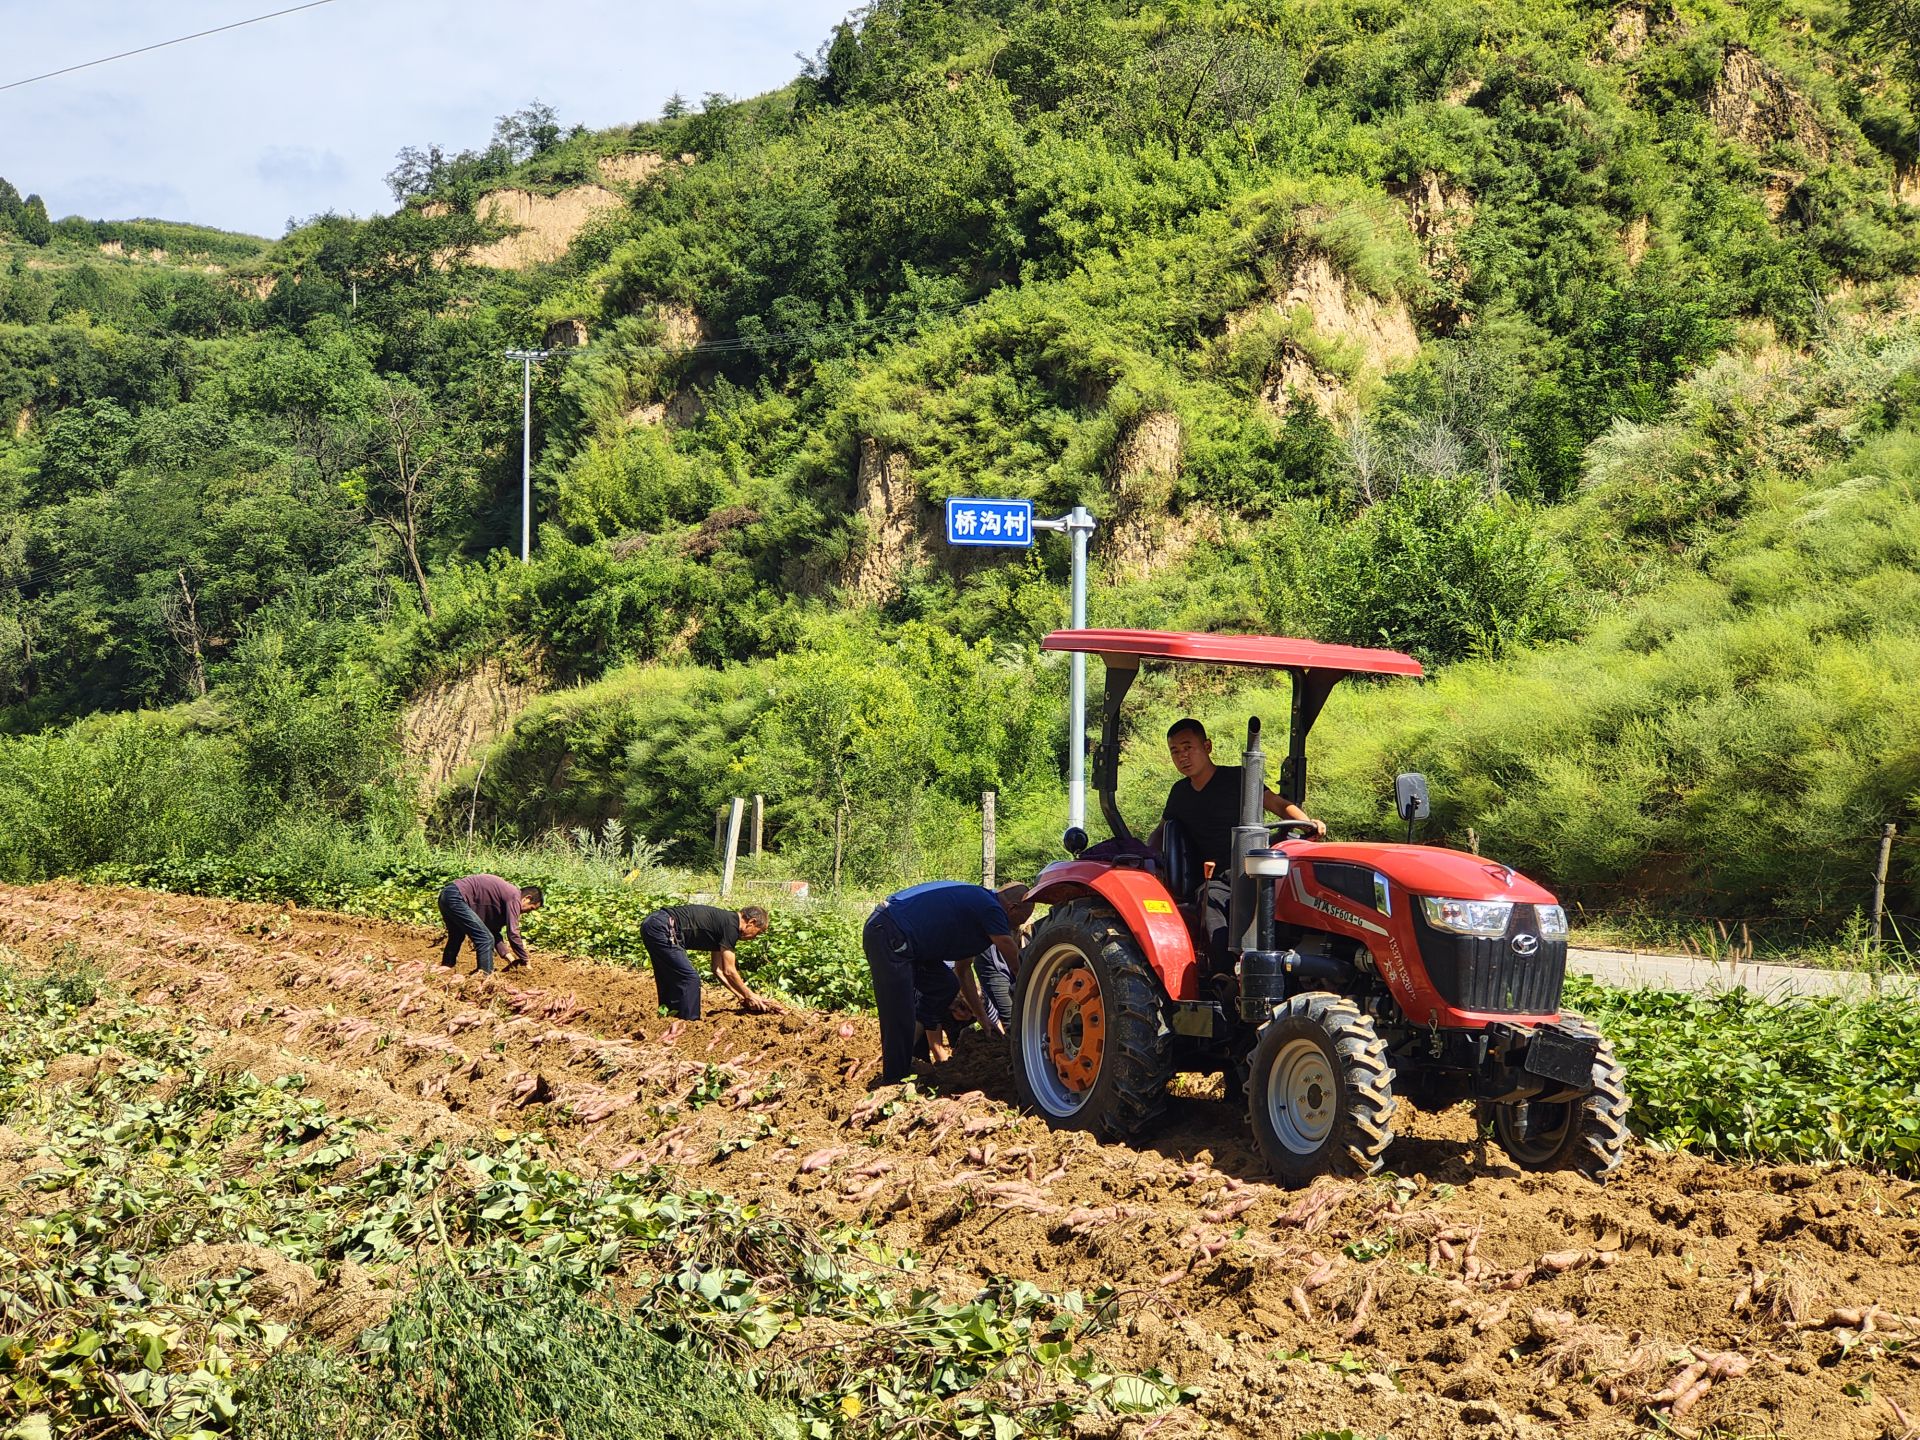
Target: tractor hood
<point x="1430" y="870"/>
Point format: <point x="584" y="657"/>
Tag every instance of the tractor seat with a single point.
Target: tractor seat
<point x="1181" y="873"/>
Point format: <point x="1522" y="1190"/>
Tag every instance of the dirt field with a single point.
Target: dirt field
<point x="1466" y="1298"/>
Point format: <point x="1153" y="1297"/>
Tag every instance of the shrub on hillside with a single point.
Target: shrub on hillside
<point x="1434" y="568"/>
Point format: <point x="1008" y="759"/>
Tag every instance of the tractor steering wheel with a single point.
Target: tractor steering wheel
<point x="1309" y="829"/>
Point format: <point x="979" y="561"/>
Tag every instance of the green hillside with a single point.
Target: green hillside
<point x="1571" y="347"/>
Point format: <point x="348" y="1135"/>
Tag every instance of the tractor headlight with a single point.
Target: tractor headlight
<point x="1468" y="917"/>
<point x="1267" y="864"/>
<point x="1552" y="921"/>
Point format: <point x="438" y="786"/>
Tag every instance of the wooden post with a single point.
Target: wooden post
<point x="839" y="842"/>
<point x="733" y="847"/>
<point x="759" y="823"/>
<point x="473" y="804"/>
<point x="719" y="830"/>
<point x="1473" y="840"/>
<point x="986" y="838"/>
<point x="1880" y="883"/>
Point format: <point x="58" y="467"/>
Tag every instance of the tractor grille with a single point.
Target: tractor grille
<point x="1476" y="973"/>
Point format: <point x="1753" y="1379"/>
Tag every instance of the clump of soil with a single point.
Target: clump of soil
<point x="280" y="1289"/>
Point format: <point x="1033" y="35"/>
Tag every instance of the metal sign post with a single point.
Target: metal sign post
<point x="1010" y="523"/>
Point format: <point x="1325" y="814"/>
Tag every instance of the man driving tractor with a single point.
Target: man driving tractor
<point x="1205" y="803"/>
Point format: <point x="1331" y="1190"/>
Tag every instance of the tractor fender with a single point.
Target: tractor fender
<point x="1145" y="906"/>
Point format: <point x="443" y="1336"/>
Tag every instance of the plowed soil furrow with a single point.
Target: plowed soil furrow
<point x="1469" y="1299"/>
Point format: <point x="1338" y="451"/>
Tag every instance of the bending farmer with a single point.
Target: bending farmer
<point x="920" y="944"/>
<point x="668" y="934"/>
<point x="486" y="910"/>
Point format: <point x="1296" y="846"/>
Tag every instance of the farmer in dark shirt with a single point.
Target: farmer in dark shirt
<point x="668" y="934"/>
<point x="486" y="910"/>
<point x="1205" y="803"/>
<point x="920" y="944"/>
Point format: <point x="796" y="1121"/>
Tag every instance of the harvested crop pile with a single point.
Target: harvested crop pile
<point x="1458" y="1297"/>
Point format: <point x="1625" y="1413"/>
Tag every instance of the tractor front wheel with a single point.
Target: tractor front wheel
<point x="1320" y="1090"/>
<point x="1090" y="1048"/>
<point x="1588" y="1135"/>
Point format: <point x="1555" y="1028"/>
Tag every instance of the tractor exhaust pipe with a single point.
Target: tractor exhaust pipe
<point x="1243" y="906"/>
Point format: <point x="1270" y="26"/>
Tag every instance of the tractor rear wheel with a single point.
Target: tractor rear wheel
<point x="1588" y="1135"/>
<point x="1090" y="1048"/>
<point x="1320" y="1090"/>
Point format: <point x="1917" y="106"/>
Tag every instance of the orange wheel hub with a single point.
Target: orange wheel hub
<point x="1076" y="1028"/>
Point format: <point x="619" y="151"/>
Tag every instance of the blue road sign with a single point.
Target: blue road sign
<point x="990" y="522"/>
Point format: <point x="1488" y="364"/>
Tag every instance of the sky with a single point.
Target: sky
<point x="305" y="113"/>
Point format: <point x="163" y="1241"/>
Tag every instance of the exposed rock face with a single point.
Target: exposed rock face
<point x="1383" y="329"/>
<point x="1438" y="212"/>
<point x="631" y="170"/>
<point x="676" y="412"/>
<point x="23" y="422"/>
<point x="1634" y="239"/>
<point x="1380" y="332"/>
<point x="1144" y="467"/>
<point x="1776" y="192"/>
<point x="1294" y="381"/>
<point x="565" y="335"/>
<point x="680" y="325"/>
<point x="452" y="720"/>
<point x="1753" y="104"/>
<point x="681" y="328"/>
<point x="884" y="496"/>
<point x="1906" y="186"/>
<point x="1627" y="36"/>
<point x="545" y="224"/>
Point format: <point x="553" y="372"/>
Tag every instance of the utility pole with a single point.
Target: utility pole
<point x="526" y="359"/>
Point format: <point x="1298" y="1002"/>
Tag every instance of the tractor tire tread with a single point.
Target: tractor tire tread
<point x="1138" y="1039"/>
<point x="1366" y="1076"/>
<point x="1596" y="1145"/>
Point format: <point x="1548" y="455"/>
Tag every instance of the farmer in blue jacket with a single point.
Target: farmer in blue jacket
<point x="920" y="945"/>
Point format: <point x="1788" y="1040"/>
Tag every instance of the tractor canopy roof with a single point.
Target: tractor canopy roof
<point x="1125" y="649"/>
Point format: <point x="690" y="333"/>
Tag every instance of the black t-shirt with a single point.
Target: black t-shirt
<point x="705" y="927"/>
<point x="1208" y="816"/>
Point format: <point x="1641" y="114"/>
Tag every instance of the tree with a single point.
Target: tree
<point x="17" y="626"/>
<point x="1891" y="29"/>
<point x="31" y="224"/>
<point x="527" y="132"/>
<point x="405" y="472"/>
<point x="181" y="612"/>
<point x="415" y="172"/>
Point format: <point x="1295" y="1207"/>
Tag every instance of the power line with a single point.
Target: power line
<point x="163" y="44"/>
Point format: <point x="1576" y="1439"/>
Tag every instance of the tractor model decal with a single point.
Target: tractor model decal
<point x="1327" y="907"/>
<point x="1396" y="966"/>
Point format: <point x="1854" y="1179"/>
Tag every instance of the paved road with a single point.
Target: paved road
<point x="1683" y="972"/>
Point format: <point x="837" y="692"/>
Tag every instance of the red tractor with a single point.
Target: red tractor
<point x="1353" y="975"/>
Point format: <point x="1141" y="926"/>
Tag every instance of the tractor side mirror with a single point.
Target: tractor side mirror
<point x="1410" y="796"/>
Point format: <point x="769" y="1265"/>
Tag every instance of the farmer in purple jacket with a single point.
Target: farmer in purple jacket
<point x="486" y="910"/>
